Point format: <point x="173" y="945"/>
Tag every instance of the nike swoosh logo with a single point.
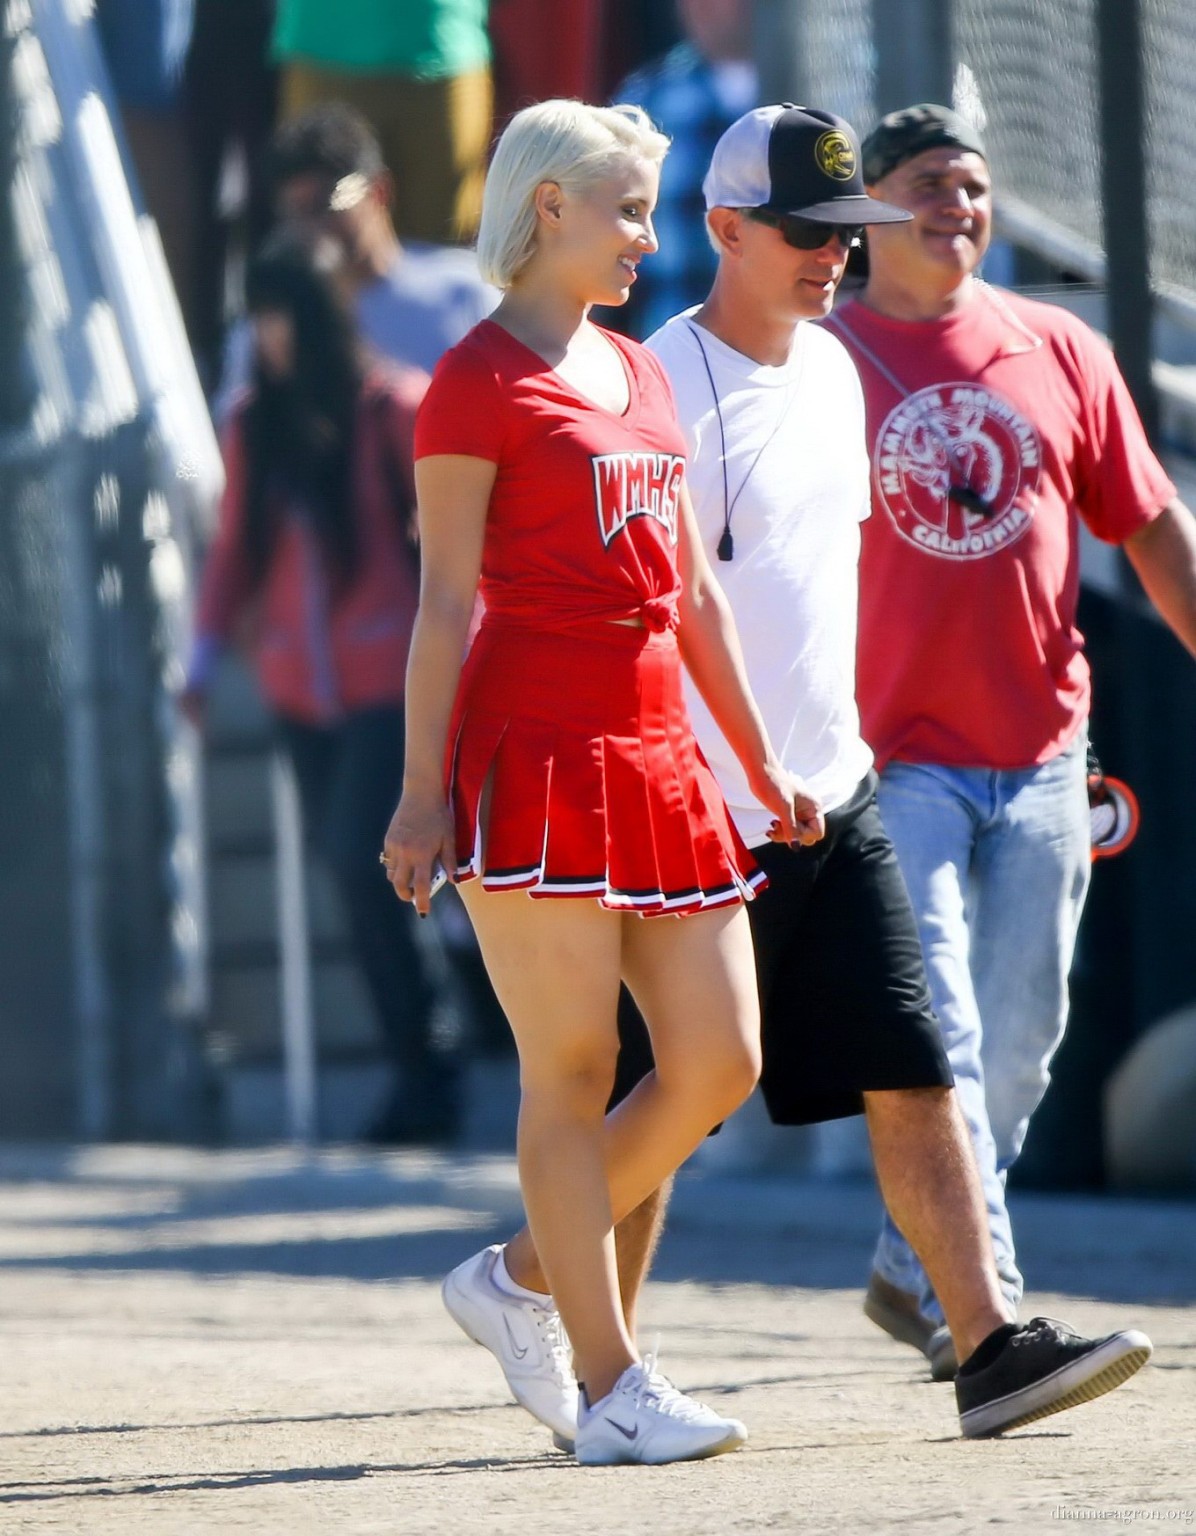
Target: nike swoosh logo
<point x="511" y="1340"/>
<point x="628" y="1434"/>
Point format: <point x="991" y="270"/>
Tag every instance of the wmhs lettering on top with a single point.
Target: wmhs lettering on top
<point x="628" y="485"/>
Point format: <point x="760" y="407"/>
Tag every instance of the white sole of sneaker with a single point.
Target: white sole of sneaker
<point x="1081" y="1381"/>
<point x="730" y="1442"/>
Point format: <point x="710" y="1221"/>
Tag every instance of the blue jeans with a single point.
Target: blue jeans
<point x="997" y="866"/>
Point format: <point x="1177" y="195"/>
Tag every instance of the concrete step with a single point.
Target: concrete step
<point x="246" y="1017"/>
<point x="237" y="799"/>
<point x="243" y="900"/>
<point x="349" y="1095"/>
<point x="237" y="717"/>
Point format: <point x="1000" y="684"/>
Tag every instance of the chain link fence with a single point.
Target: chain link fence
<point x="1027" y="72"/>
<point x="840" y="60"/>
<point x="107" y="462"/>
<point x="1169" y="47"/>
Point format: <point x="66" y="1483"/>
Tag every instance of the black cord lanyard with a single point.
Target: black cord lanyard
<point x="726" y="544"/>
<point x="958" y="491"/>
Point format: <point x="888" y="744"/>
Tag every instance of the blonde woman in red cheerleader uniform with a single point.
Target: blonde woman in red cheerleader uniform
<point x="555" y="775"/>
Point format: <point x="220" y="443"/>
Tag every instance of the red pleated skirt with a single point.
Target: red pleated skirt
<point x="579" y="746"/>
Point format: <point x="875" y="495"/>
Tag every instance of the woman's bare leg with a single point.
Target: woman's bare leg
<point x="555" y="970"/>
<point x="694" y="980"/>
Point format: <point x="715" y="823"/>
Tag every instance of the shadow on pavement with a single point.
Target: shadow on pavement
<point x="343" y="1213"/>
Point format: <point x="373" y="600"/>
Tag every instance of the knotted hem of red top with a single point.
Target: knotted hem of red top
<point x="658" y="615"/>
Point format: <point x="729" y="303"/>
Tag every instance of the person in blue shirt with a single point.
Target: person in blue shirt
<point x="693" y="93"/>
<point x="412" y="301"/>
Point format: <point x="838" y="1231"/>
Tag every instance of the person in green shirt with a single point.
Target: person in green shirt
<point x="420" y="73"/>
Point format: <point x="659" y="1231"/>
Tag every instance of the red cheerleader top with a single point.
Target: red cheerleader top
<point x="582" y="524"/>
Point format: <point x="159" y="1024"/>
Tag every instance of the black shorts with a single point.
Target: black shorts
<point x="844" y="1000"/>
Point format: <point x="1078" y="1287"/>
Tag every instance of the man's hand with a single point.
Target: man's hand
<point x="798" y="817"/>
<point x="809" y="820"/>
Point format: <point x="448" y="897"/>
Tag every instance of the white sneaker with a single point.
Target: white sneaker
<point x="526" y="1338"/>
<point x="645" y="1419"/>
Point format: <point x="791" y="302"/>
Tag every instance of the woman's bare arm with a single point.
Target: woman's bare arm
<point x="454" y="496"/>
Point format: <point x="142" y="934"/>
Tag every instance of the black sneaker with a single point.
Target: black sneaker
<point x="1043" y="1368"/>
<point x="897" y="1312"/>
<point x="940" y="1351"/>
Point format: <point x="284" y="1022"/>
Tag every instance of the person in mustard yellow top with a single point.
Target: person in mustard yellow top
<point x="419" y="70"/>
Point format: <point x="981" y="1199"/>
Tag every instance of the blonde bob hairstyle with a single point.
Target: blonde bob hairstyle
<point x="568" y="142"/>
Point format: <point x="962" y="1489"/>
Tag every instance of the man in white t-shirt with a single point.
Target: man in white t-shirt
<point x="779" y="475"/>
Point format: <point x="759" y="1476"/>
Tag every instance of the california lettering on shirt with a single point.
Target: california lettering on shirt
<point x="628" y="485"/>
<point x="958" y="429"/>
<point x="969" y="652"/>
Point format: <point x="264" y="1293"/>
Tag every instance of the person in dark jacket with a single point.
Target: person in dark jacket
<point x="314" y="565"/>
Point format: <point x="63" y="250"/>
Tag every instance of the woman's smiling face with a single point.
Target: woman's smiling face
<point x="604" y="230"/>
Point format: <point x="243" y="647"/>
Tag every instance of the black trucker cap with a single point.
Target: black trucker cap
<point x="794" y="160"/>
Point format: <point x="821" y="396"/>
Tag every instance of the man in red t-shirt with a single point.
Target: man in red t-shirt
<point x="995" y="425"/>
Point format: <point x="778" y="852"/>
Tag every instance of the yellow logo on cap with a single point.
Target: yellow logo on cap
<point x="835" y="155"/>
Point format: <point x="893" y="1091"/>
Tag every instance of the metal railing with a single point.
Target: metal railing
<point x="108" y="467"/>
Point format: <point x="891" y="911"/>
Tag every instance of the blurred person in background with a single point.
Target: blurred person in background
<point x="419" y="71"/>
<point x="230" y="98"/>
<point x="635" y="31"/>
<point x="145" y="45"/>
<point x="412" y="301"/>
<point x="194" y="82"/>
<point x="693" y="94"/>
<point x="313" y="562"/>
<point x="544" y="49"/>
<point x="996" y="425"/>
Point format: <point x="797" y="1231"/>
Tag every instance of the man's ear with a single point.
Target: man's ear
<point x="726" y="229"/>
<point x="547" y="201"/>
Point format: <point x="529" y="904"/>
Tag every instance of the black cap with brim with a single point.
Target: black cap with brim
<point x="912" y="131"/>
<point x="814" y="172"/>
<point x="792" y="160"/>
<point x="849" y="210"/>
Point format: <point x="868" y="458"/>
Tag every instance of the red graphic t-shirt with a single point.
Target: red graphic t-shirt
<point x="583" y="517"/>
<point x="991" y="433"/>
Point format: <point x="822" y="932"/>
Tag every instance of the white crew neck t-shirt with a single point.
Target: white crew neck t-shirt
<point x="798" y="481"/>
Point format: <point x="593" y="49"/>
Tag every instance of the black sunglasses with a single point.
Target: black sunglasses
<point x="805" y="234"/>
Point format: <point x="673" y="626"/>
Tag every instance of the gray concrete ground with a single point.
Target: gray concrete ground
<point x="253" y="1341"/>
